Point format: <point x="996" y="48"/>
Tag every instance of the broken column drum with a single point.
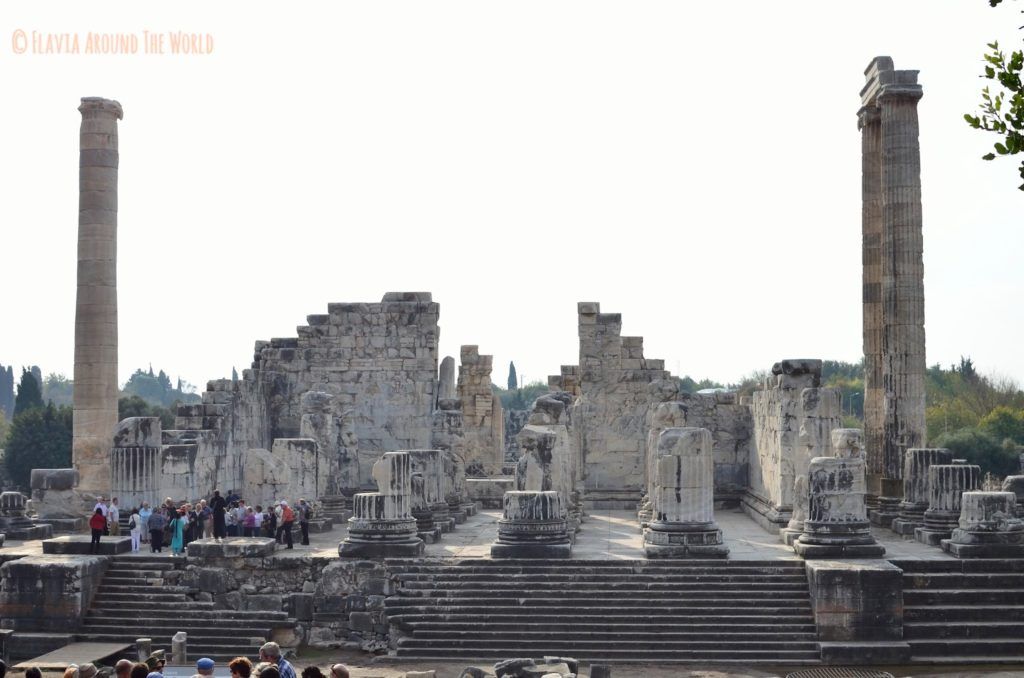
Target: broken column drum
<point x="1015" y="484"/>
<point x="683" y="524"/>
<point x="946" y="485"/>
<point x="381" y="525"/>
<point x="837" y="523"/>
<point x="915" y="487"/>
<point x="429" y="464"/>
<point x="847" y="443"/>
<point x="988" y="527"/>
<point x="533" y="525"/>
<point x="666" y="415"/>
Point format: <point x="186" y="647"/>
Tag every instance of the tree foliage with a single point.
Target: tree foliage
<point x="520" y="398"/>
<point x="1001" y="111"/>
<point x="134" y="406"/>
<point x="58" y="389"/>
<point x="513" y="380"/>
<point x="30" y="394"/>
<point x="156" y="389"/>
<point x="39" y="437"/>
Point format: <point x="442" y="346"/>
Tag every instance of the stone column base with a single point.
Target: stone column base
<point x="531" y="550"/>
<point x="931" y="536"/>
<point x="887" y="511"/>
<point x="684" y="544"/>
<point x="972" y="544"/>
<point x="838" y="550"/>
<point x="351" y="548"/>
<point x="431" y="536"/>
<point x="469" y="508"/>
<point x="790" y="535"/>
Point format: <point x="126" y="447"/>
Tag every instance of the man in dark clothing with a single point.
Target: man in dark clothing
<point x="304" y="511"/>
<point x="218" y="505"/>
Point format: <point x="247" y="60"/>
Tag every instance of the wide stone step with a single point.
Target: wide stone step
<point x="682" y="584"/>
<point x="529" y="611"/>
<point x="139" y="589"/>
<point x="154" y="596"/>
<point x="621" y="571"/>
<point x="977" y="647"/>
<point x="966" y="566"/>
<point x="614" y="654"/>
<point x="567" y="577"/>
<point x="512" y="625"/>
<point x="638" y="634"/>
<point x="207" y="611"/>
<point x="981" y="629"/>
<point x="962" y="613"/>
<point x="590" y="596"/>
<point x="947" y="580"/>
<point x="144" y="573"/>
<point x="598" y="599"/>
<point x="194" y="636"/>
<point x="660" y="563"/>
<point x="963" y="596"/>
<point x="208" y="627"/>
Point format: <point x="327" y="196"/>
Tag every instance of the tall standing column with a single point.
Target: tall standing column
<point x="95" y="413"/>
<point x="869" y="121"/>
<point x="902" y="270"/>
<point x="895" y="318"/>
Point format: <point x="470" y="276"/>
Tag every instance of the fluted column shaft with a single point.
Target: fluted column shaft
<point x="95" y="397"/>
<point x="903" y="338"/>
<point x="869" y="121"/>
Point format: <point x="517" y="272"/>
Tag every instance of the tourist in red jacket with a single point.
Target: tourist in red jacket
<point x="97" y="523"/>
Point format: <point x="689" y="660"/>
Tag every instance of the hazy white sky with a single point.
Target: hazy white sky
<point x="694" y="166"/>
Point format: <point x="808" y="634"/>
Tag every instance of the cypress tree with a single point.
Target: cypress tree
<point x="513" y="380"/>
<point x="30" y="394"/>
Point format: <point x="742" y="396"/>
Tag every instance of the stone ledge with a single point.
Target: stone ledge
<point x="878" y="652"/>
<point x="232" y="547"/>
<point x="80" y="544"/>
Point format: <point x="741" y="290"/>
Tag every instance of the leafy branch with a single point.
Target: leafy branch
<point x="1002" y="105"/>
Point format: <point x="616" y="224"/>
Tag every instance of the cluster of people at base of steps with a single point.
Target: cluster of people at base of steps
<point x="175" y="524"/>
<point x="270" y="665"/>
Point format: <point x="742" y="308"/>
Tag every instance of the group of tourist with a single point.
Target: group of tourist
<point x="270" y="665"/>
<point x="176" y="525"/>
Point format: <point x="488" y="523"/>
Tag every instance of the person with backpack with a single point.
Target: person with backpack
<point x="287" y="520"/>
<point x="135" y="529"/>
<point x="157" y="521"/>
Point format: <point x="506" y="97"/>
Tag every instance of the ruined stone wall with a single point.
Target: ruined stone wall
<point x="732" y="433"/>
<point x="309" y="417"/>
<point x="483" y="421"/>
<point x="793" y="421"/>
<point x="614" y="377"/>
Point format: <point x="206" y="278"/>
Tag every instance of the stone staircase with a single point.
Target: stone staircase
<point x="963" y="611"/>
<point x="604" y="610"/>
<point x="134" y="602"/>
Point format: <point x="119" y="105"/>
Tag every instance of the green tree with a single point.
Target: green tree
<point x="1002" y="103"/>
<point x="30" y="395"/>
<point x="520" y="398"/>
<point x="39" y="437"/>
<point x="1004" y="423"/>
<point x="58" y="389"/>
<point x="134" y="406"/>
<point x="156" y="389"/>
<point x="979" y="447"/>
<point x="4" y="427"/>
<point x="513" y="380"/>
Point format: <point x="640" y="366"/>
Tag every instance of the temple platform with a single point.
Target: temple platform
<point x="605" y="534"/>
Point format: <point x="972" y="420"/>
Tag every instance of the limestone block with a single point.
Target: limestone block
<point x="53" y="479"/>
<point x="231" y="547"/>
<point x="856" y="601"/>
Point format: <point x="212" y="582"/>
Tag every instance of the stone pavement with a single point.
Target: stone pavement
<point x="606" y="534"/>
